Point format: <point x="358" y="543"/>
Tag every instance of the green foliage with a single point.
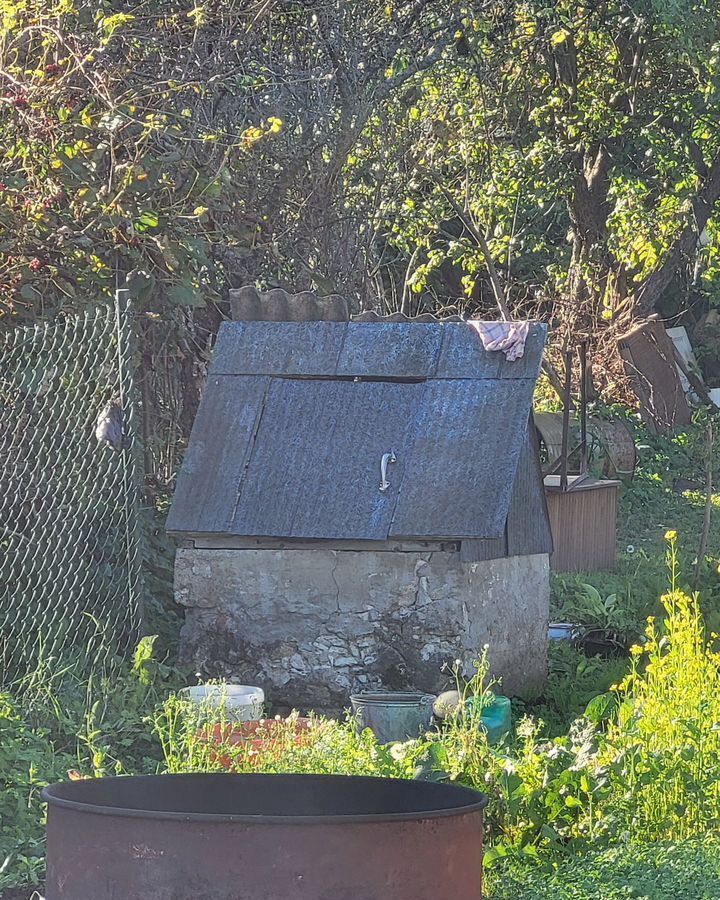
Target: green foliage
<point x="184" y="151"/>
<point x="28" y="762"/>
<point x="556" y="121"/>
<point x="573" y="681"/>
<point x="641" y="767"/>
<point x="91" y="727"/>
<point x="201" y="738"/>
<point x="588" y="607"/>
<point x="684" y="871"/>
<point x="668" y="729"/>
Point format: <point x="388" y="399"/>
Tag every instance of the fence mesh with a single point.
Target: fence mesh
<point x="70" y="554"/>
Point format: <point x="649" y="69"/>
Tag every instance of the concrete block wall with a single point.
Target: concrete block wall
<point x="312" y="625"/>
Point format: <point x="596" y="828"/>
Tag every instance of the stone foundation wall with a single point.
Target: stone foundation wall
<point x="311" y="625"/>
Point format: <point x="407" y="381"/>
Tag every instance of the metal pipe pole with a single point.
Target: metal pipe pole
<point x="566" y="422"/>
<point x="583" y="407"/>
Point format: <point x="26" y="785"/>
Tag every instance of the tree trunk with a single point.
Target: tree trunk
<point x="594" y="276"/>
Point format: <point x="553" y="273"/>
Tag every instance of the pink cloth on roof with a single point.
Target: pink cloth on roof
<point x="508" y="337"/>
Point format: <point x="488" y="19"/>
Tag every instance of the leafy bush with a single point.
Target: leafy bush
<point x="573" y="681"/>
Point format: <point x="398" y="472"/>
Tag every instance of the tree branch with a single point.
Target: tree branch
<point x="495" y="280"/>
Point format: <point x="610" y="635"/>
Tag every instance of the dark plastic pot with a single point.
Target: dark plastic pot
<point x="604" y="642"/>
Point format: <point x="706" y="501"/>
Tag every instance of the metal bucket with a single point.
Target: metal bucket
<point x="393" y="715"/>
<point x="275" y="837"/>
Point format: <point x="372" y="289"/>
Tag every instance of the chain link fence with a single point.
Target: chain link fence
<point x="70" y="541"/>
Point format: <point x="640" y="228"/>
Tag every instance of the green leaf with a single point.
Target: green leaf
<point x="147" y="219"/>
<point x="110" y="24"/>
<point x="184" y="295"/>
<point x="28" y="292"/>
<point x="601" y="708"/>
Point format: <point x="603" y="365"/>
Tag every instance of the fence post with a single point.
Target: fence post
<point x="126" y="361"/>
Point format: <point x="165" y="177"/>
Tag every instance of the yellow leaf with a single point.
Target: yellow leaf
<point x="198" y="15"/>
<point x="559" y="37"/>
<point x="200" y="211"/>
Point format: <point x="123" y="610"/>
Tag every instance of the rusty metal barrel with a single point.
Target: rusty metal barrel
<point x="262" y="837"/>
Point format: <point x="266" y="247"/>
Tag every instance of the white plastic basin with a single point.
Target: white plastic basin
<point x="242" y="702"/>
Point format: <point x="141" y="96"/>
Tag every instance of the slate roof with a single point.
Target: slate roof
<point x="296" y="417"/>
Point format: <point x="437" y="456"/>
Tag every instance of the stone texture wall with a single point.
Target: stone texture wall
<point x="310" y="626"/>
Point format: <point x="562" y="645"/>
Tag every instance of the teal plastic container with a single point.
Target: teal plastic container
<point x="393" y="715"/>
<point x="496" y="718"/>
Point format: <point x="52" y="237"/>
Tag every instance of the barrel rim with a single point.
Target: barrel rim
<point x="50" y="796"/>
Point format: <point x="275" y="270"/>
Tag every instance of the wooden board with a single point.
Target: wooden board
<point x="278" y="348"/>
<point x="459" y="480"/>
<point x="315" y="467"/>
<point x="219" y="447"/>
<point x="373" y="350"/>
<point x="650" y="364"/>
<point x="528" y="366"/>
<point x="583" y="526"/>
<point x="476" y="550"/>
<point x="390" y="350"/>
<point x="462" y="355"/>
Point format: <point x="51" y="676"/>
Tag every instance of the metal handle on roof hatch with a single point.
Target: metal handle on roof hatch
<point x="386" y="458"/>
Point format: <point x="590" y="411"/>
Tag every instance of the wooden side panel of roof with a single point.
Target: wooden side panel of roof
<point x="219" y="447"/>
<point x="478" y="550"/>
<point x="460" y="477"/>
<point x="527" y="531"/>
<point x="528" y="524"/>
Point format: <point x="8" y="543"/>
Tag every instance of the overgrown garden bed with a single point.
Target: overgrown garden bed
<point x="621" y="803"/>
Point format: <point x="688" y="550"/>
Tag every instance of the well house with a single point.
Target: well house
<point x="361" y="504"/>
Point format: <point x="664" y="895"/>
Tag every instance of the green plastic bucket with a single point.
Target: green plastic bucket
<point x="496" y="718"/>
<point x="393" y="715"/>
